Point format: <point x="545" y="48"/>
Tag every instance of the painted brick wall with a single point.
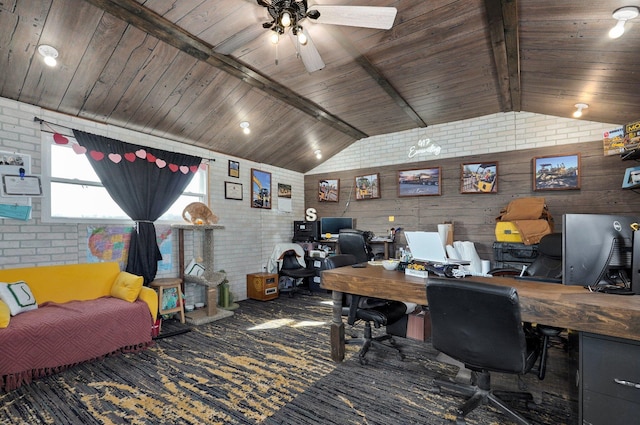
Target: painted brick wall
<point x="242" y="247"/>
<point x="490" y="134"/>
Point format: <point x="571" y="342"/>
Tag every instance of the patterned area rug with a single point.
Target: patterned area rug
<point x="268" y="364"/>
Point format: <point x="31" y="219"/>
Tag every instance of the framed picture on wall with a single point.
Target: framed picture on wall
<point x="329" y="190"/>
<point x="234" y="169"/>
<point x="368" y="186"/>
<point x="419" y="182"/>
<point x="560" y="172"/>
<point x="233" y="190"/>
<point x="260" y="189"/>
<point x="480" y="177"/>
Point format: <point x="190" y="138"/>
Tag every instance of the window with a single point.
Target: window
<point x="77" y="193"/>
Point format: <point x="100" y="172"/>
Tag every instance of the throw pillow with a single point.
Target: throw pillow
<point x="5" y="315"/>
<point x="18" y="297"/>
<point x="127" y="286"/>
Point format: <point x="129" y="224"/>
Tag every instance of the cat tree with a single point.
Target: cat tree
<point x="210" y="279"/>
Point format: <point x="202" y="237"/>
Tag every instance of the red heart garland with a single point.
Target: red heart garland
<point x="98" y="156"/>
<point x="194" y="169"/>
<point x="130" y="156"/>
<point x="184" y="169"/>
<point x="114" y="157"/>
<point x="60" y="139"/>
<point x="78" y="149"/>
<point x="203" y="166"/>
<point x="151" y="158"/>
<point x="173" y="167"/>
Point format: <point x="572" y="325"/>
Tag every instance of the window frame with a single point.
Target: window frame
<point x="48" y="180"/>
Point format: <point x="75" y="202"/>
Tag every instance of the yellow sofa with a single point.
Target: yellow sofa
<point x="69" y="282"/>
<point x="79" y="318"/>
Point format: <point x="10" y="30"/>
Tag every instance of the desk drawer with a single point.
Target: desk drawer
<point x="599" y="409"/>
<point x="610" y="367"/>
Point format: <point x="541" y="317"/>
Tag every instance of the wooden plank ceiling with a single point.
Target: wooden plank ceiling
<point x="151" y="66"/>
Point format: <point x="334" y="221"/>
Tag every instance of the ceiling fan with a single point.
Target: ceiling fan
<point x="287" y="17"/>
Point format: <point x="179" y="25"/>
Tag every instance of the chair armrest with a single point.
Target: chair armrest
<point x="150" y="296"/>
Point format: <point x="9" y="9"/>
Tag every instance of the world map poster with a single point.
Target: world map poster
<point x="111" y="243"/>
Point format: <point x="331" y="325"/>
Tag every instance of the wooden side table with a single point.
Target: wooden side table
<point x="167" y="283"/>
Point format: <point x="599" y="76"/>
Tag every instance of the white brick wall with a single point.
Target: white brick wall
<point x="492" y="133"/>
<point x="242" y="247"/>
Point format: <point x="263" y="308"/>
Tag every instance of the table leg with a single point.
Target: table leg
<point x="337" y="328"/>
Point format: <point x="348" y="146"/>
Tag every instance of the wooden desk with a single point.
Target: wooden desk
<point x="570" y="307"/>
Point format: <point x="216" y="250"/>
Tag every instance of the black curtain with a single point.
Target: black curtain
<point x="142" y="188"/>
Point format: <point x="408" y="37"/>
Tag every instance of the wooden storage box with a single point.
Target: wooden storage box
<point x="262" y="286"/>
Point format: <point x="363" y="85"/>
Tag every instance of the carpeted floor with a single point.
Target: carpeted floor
<point x="269" y="364"/>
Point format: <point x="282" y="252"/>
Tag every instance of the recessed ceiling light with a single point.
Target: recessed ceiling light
<point x="580" y="107"/>
<point x="622" y="15"/>
<point x="49" y="53"/>
<point x="244" y="125"/>
<point x="318" y="153"/>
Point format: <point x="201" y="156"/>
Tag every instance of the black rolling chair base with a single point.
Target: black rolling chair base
<point x="481" y="394"/>
<point x="368" y="341"/>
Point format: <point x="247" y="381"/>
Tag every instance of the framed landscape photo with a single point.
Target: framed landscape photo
<point x="329" y="190"/>
<point x="368" y="186"/>
<point x="419" y="182"/>
<point x="260" y="189"/>
<point x="479" y="177"/>
<point x="233" y="190"/>
<point x="234" y="169"/>
<point x="560" y="172"/>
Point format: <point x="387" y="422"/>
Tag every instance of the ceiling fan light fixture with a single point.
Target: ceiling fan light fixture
<point x="244" y="125"/>
<point x="285" y="19"/>
<point x="49" y="53"/>
<point x="318" y="153"/>
<point x="298" y="32"/>
<point x="275" y="38"/>
<point x="622" y="15"/>
<point x="580" y="107"/>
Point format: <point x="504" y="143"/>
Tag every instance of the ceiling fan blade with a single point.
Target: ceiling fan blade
<point x="357" y="16"/>
<point x="308" y="53"/>
<point x="239" y="39"/>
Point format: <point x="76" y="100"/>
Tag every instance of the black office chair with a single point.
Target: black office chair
<point x="479" y="325"/>
<point x="292" y="268"/>
<point x="356" y="242"/>
<point x="370" y="310"/>
<point x="548" y="264"/>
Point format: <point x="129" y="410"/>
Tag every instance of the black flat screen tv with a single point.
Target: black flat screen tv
<point x="597" y="249"/>
<point x="333" y="225"/>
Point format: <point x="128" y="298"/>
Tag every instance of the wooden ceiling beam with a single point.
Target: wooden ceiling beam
<point x="502" y="17"/>
<point x="377" y="76"/>
<point x="157" y="26"/>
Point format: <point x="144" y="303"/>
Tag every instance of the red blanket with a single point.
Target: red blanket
<point x="59" y="335"/>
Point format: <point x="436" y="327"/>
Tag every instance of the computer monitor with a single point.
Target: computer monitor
<point x="597" y="249"/>
<point x="334" y="224"/>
